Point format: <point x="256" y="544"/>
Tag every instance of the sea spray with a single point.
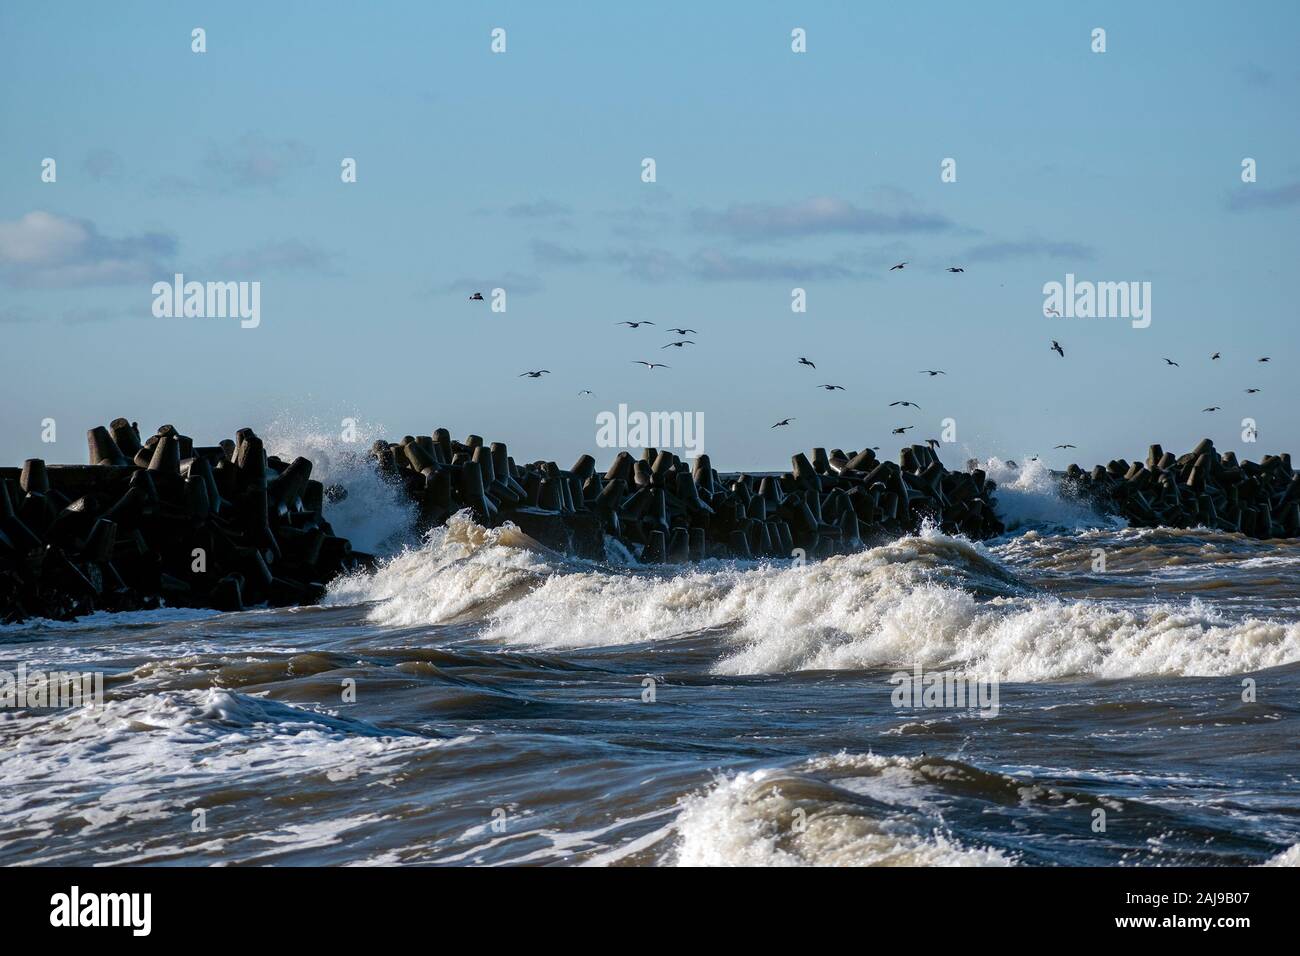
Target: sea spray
<point x="1030" y="497"/>
<point x="931" y="600"/>
<point x="375" y="514"/>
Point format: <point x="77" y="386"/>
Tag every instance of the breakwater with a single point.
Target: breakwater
<point x="162" y="520"/>
<point x="664" y="509"/>
<point x="1199" y="489"/>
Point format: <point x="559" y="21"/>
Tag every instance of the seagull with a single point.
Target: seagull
<point x="955" y="269"/>
<point x="933" y="443"/>
<point x="831" y="388"/>
<point x="1264" y="359"/>
<point x="1067" y="446"/>
<point x="678" y="344"/>
<point x="899" y="431"/>
<point x="684" y="331"/>
<point x="1214" y="356"/>
<point x="585" y="391"/>
<point x="932" y="372"/>
<point x="784" y="421"/>
<point x="476" y="297"/>
<point x="1052" y="312"/>
<point x="905" y="405"/>
<point x="1251" y="391"/>
<point x="636" y="325"/>
<point x="899" y="266"/>
<point x="804" y="361"/>
<point x="538" y="374"/>
<point x="650" y="365"/>
<point x="1212" y="408"/>
<point x="1170" y="361"/>
<point x="1056" y="347"/>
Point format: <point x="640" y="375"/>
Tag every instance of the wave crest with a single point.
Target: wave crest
<point x="929" y="600"/>
<point x="839" y="814"/>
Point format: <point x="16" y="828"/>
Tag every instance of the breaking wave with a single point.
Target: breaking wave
<point x="1030" y="496"/>
<point x="839" y="811"/>
<point x="374" y="514"/>
<point x="931" y="599"/>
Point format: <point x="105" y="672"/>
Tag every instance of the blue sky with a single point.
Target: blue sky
<point x="775" y="170"/>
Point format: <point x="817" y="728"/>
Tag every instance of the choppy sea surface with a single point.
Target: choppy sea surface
<point x="481" y="700"/>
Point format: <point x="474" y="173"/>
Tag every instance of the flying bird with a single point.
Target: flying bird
<point x="804" y="361"/>
<point x="1056" y="347"/>
<point x="831" y="388"/>
<point x="1067" y="446"/>
<point x="1214" y="356"/>
<point x="1251" y="391"/>
<point x="636" y="325"/>
<point x="784" y="421"/>
<point x="933" y="443"/>
<point x="684" y="331"/>
<point x="678" y="344"/>
<point x="476" y="297"/>
<point x="1212" y="408"/>
<point x="905" y="405"/>
<point x="899" y="266"/>
<point x="1052" y="311"/>
<point x="585" y="391"/>
<point x="899" y="431"/>
<point x="1264" y="359"/>
<point x="650" y="365"/>
<point x="538" y="374"/>
<point x="955" y="269"/>
<point x="932" y="372"/>
<point x="1170" y="361"/>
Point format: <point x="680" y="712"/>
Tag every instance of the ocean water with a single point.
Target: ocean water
<point x="479" y="699"/>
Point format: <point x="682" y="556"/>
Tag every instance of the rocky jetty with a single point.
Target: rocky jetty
<point x="1199" y="489"/>
<point x="228" y="526"/>
<point x="162" y="520"/>
<point x="663" y="509"/>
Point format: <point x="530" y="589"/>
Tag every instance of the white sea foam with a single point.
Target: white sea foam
<point x="376" y="515"/>
<point x="157" y="755"/>
<point x="769" y="818"/>
<point x="919" y="600"/>
<point x="1030" y="496"/>
<point x="1288" y="857"/>
<point x="100" y="620"/>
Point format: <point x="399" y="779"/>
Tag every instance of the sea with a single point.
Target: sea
<point x="1075" y="692"/>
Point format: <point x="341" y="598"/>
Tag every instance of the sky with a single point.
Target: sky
<point x="774" y="170"/>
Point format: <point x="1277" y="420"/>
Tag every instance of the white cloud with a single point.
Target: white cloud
<point x="45" y="250"/>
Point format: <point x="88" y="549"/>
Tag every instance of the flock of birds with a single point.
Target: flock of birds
<point x="1056" y="347"/>
<point x="682" y="342"/>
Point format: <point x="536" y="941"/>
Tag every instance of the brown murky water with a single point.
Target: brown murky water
<point x="479" y="700"/>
